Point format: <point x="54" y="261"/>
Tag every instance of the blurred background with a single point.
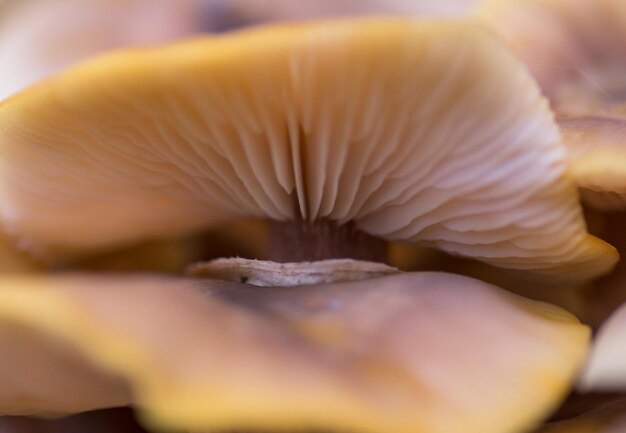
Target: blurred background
<point x="40" y="37"/>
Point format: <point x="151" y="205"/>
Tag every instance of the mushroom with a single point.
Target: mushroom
<point x="577" y="51"/>
<point x="38" y="38"/>
<point x="597" y="157"/>
<point x="14" y="261"/>
<point x="401" y="353"/>
<point x="342" y="135"/>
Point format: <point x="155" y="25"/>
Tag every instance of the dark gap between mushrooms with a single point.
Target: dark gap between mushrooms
<point x="298" y="241"/>
<point x="301" y="240"/>
<point x="116" y="420"/>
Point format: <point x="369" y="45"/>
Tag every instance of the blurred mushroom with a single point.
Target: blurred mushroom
<point x="575" y="48"/>
<point x="577" y="51"/>
<point x="413" y="352"/>
<point x="342" y="135"/>
<point x="39" y="37"/>
<point x="597" y="163"/>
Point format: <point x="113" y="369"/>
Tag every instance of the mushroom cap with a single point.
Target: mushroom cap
<point x="597" y="153"/>
<point x="575" y="48"/>
<point x="411" y="352"/>
<point x="422" y="131"/>
<point x="42" y="375"/>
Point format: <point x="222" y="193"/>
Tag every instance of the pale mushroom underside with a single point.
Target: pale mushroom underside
<point x="426" y="132"/>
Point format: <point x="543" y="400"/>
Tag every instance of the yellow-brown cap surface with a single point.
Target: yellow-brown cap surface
<point x="426" y="352"/>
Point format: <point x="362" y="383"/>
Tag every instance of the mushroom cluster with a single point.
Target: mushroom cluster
<point x="580" y="64"/>
<point x="339" y="137"/>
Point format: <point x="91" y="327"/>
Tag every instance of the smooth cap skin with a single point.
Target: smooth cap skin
<point x="575" y="48"/>
<point x="423" y="352"/>
<point x="606" y="368"/>
<point x="597" y="152"/>
<point x="426" y="132"/>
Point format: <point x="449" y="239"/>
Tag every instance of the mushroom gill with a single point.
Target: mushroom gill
<point x="424" y="132"/>
<point x="597" y="159"/>
<point x="577" y="51"/>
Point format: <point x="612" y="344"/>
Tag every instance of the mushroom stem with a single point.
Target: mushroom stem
<point x="296" y="241"/>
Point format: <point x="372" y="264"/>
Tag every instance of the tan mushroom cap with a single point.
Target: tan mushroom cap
<point x="41" y="375"/>
<point x="597" y="152"/>
<point x="405" y="353"/>
<point x="606" y="368"/>
<point x="421" y="131"/>
<point x="575" y="48"/>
